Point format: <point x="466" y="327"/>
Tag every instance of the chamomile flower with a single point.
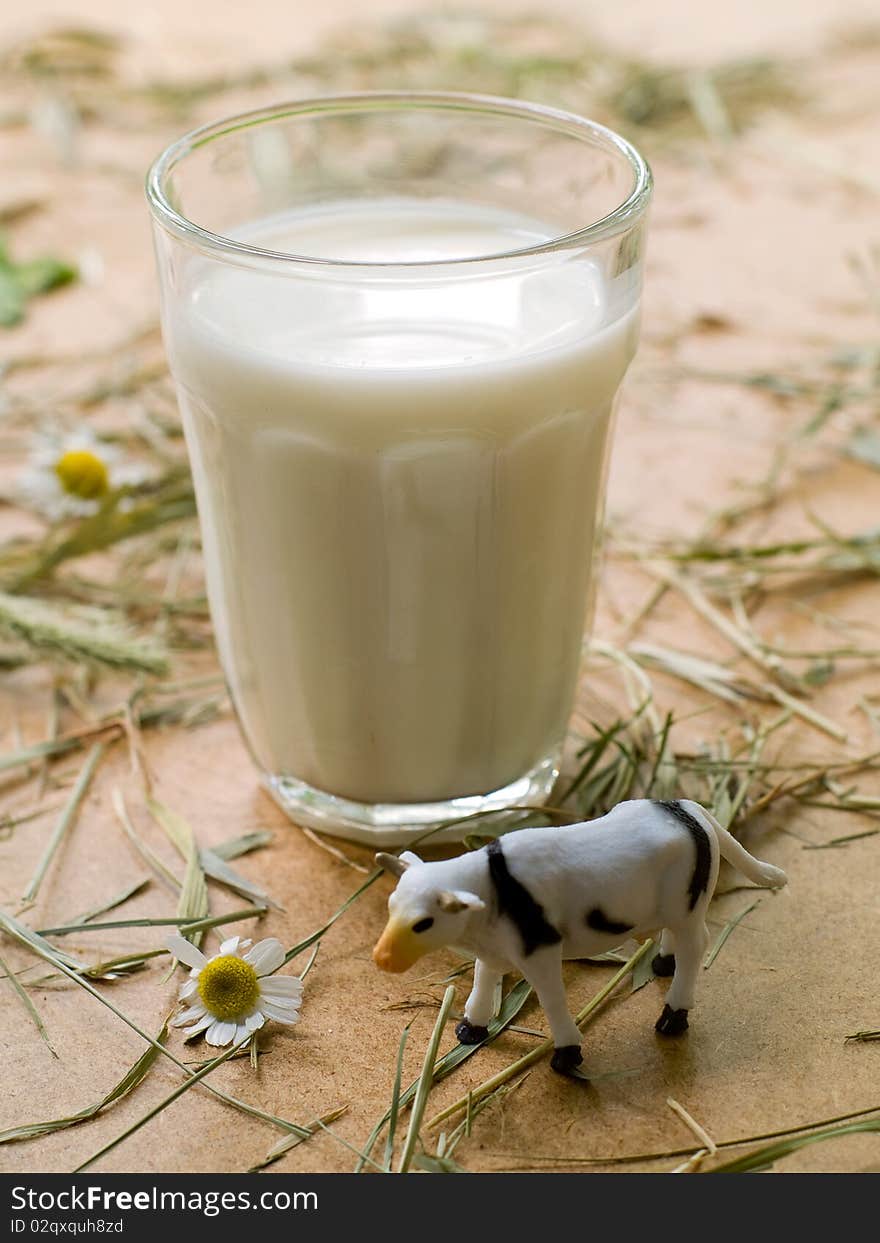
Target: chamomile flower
<point x="67" y="476"/>
<point x="233" y="994"/>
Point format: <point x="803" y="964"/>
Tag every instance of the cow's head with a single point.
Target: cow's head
<point x="422" y="915"/>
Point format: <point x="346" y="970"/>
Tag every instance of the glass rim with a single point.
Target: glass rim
<point x="621" y="218"/>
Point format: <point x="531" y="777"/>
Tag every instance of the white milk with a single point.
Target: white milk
<point x="399" y="492"/>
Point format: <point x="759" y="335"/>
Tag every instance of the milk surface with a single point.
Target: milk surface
<point x="399" y="478"/>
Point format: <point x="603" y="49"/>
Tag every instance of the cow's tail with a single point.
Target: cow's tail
<point x="765" y="874"/>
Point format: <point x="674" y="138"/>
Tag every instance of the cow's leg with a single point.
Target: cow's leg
<point x="663" y="962"/>
<point x="543" y="970"/>
<point x="690" y="946"/>
<point x="480" y="1005"/>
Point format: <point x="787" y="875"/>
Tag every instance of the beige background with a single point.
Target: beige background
<point x="758" y="239"/>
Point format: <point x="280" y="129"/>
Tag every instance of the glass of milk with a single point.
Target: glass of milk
<point x="397" y="324"/>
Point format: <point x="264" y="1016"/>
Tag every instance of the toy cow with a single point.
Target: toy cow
<point x="538" y="896"/>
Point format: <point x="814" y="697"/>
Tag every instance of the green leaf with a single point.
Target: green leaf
<point x="761" y="1158"/>
<point x="293" y="1141"/>
<point x="643" y="972"/>
<point x="181" y="922"/>
<point x="38" y="944"/>
<point x="864" y="446"/>
<point x="67" y="818"/>
<point x="193" y="902"/>
<point x="39" y="276"/>
<point x="21" y="281"/>
<point x="32" y="1011"/>
<point x="110" y="904"/>
<point x="575" y="1072"/>
<point x="233" y="847"/>
<point x="219" y="870"/>
<point x="12" y="298"/>
<point x="425" y="1082"/>
<point x="726" y="931"/>
<point x="395" y="1100"/>
<point x="437" y="1165"/>
<point x="82" y="635"/>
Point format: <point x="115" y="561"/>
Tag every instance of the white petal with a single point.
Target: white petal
<point x="185" y="951"/>
<point x="205" y="1021"/>
<point x="85" y="439"/>
<point x="266" y="956"/>
<point x="280" y="1012"/>
<point x="187" y="989"/>
<point x="229" y="946"/>
<point x="187" y="1016"/>
<point x="127" y="472"/>
<point x="277" y="987"/>
<point x="220" y="1033"/>
<point x="254" y="1021"/>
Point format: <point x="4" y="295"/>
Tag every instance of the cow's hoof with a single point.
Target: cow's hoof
<point x="470" y="1033"/>
<point x="672" y="1022"/>
<point x="566" y="1058"/>
<point x="663" y="964"/>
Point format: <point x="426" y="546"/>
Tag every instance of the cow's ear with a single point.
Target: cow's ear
<point x="454" y="900"/>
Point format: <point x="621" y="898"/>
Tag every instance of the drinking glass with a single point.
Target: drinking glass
<point x="397" y="324"/>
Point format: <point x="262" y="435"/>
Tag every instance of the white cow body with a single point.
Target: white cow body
<point x="538" y="896"/>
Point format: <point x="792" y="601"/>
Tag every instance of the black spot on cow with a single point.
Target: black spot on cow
<point x="515" y="901"/>
<point x="700" y="837"/>
<point x="599" y="922"/>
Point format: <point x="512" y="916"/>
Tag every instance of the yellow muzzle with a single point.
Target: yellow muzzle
<point x="397" y="948"/>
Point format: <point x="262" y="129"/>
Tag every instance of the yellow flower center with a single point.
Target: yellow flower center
<point x="82" y="474"/>
<point x="229" y="987"/>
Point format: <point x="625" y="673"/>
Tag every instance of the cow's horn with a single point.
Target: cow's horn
<point x="391" y="863"/>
